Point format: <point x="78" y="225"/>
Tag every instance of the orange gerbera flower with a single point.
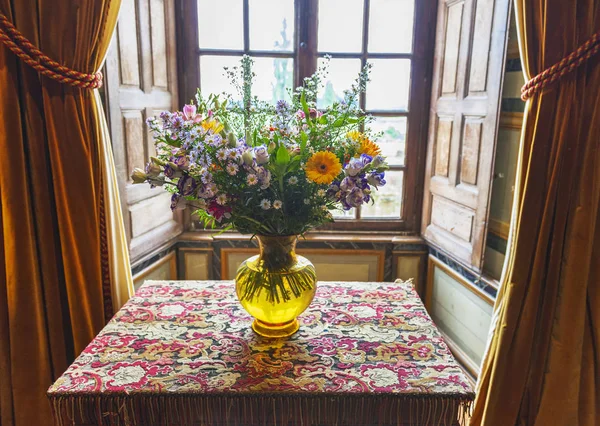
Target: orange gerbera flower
<point x="367" y="146"/>
<point x="323" y="167"/>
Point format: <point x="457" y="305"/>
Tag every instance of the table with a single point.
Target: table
<point x="183" y="353"/>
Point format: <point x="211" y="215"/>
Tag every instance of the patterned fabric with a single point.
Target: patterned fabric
<point x="193" y="338"/>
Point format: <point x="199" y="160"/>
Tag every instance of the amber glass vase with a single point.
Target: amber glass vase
<point x="276" y="286"/>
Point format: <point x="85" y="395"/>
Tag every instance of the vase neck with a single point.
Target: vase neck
<point x="277" y="252"/>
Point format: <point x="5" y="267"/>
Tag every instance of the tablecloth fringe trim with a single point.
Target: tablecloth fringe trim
<point x="259" y="410"/>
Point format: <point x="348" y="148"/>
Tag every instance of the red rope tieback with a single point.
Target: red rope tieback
<point x="32" y="56"/>
<point x="565" y="66"/>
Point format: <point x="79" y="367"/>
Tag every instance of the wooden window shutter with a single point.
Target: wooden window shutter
<point x="141" y="82"/>
<point x="466" y="88"/>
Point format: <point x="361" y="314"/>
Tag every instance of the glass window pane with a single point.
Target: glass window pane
<point x="271" y="25"/>
<point x="344" y="214"/>
<point x="273" y="77"/>
<point x="389" y="85"/>
<point x="341" y="74"/>
<point x="392" y="139"/>
<point x="391" y="26"/>
<point x="221" y="24"/>
<point x="340" y="26"/>
<point x="212" y="75"/>
<point x="388" y="198"/>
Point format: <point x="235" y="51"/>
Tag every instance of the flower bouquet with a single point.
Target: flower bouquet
<point x="274" y="171"/>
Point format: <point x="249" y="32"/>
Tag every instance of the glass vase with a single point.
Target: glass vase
<point x="276" y="286"/>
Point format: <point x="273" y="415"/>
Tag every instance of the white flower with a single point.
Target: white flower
<point x="293" y="180"/>
<point x="222" y="199"/>
<point x="232" y="169"/>
<point x="252" y="179"/>
<point x="233" y="154"/>
<point x="321" y="192"/>
<point x="222" y="154"/>
<point x="261" y="154"/>
<point x="277" y="204"/>
<point x="306" y="201"/>
<point x="265" y="204"/>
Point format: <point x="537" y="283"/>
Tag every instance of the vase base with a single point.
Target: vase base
<point x="275" y="331"/>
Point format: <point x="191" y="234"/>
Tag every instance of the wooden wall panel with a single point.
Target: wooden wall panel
<point x="452" y="217"/>
<point x="330" y="264"/>
<point x="140" y="81"/>
<point x="471" y="146"/>
<point x="484" y="14"/>
<point x="462" y="312"/>
<point x="196" y="263"/>
<point x="452" y="45"/>
<point x="134" y="129"/>
<point x="471" y="44"/>
<point x="163" y="269"/>
<point x="159" y="44"/>
<point x="444" y="138"/>
<point x="128" y="44"/>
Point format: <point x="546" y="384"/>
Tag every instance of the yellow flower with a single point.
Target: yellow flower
<point x="368" y="147"/>
<point x="323" y="167"/>
<point x="355" y="135"/>
<point x="213" y="125"/>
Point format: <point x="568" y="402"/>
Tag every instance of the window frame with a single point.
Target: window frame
<point x="305" y="55"/>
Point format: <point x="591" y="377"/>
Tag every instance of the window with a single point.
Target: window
<point x="288" y="39"/>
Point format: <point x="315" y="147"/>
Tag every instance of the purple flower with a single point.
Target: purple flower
<point x="182" y="162"/>
<point x="170" y="172"/>
<point x="347" y="184"/>
<point x="186" y="185"/>
<point x="365" y="159"/>
<point x="378" y="160"/>
<point x="177" y="202"/>
<point x="354" y="167"/>
<point x="376" y="179"/>
<point x="261" y="154"/>
<point x="281" y="107"/>
<point x="355" y="197"/>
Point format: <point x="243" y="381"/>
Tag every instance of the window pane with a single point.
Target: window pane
<point x="344" y="214"/>
<point x="271" y="25"/>
<point x="393" y="138"/>
<point x="389" y="85"/>
<point x="391" y="26"/>
<point x="340" y="26"/>
<point x="212" y="75"/>
<point x="341" y="75"/>
<point x="221" y="24"/>
<point x="273" y="77"/>
<point x="388" y="198"/>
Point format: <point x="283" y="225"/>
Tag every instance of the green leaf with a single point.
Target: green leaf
<point x="305" y="107"/>
<point x="339" y="122"/>
<point x="283" y="156"/>
<point x="303" y="141"/>
<point x="254" y="137"/>
<point x="323" y="120"/>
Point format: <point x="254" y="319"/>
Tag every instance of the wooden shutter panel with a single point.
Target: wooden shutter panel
<point x="467" y="79"/>
<point x="141" y="81"/>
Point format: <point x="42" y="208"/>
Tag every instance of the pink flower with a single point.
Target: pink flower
<point x="189" y="112"/>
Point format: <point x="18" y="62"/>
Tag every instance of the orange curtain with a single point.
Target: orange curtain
<point x="55" y="292"/>
<point x="542" y="366"/>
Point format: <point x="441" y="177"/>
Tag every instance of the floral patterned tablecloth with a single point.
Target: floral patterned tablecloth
<point x="183" y="353"/>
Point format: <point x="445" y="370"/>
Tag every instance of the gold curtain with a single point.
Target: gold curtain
<point x="542" y="366"/>
<point x="57" y="192"/>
